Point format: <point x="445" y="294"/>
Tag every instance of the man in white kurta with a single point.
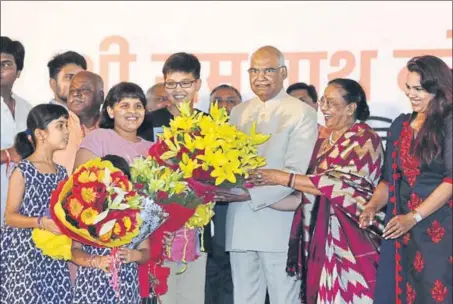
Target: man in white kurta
<point x="14" y="112"/>
<point x="257" y="234"/>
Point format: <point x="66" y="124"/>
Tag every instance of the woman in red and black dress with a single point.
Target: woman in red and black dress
<point x="416" y="257"/>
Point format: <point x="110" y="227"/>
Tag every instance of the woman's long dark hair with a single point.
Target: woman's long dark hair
<point x="435" y="78"/>
<point x="38" y="118"/>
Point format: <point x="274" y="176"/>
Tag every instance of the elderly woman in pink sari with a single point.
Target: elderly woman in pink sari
<point x="333" y="257"/>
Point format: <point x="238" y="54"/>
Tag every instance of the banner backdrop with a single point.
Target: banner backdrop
<point x="129" y="41"/>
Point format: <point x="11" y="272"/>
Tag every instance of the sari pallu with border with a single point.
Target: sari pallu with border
<point x="334" y="258"/>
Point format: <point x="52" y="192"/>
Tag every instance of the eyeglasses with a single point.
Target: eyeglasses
<point x="228" y="100"/>
<point x="329" y="104"/>
<point x="161" y="98"/>
<point x="266" y="71"/>
<point x="83" y="91"/>
<point x="183" y="84"/>
<point x="7" y="65"/>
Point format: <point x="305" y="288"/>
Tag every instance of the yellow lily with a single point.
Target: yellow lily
<point x="223" y="173"/>
<point x="219" y="115"/>
<point x="257" y="139"/>
<point x="188" y="165"/>
<point x="173" y="149"/>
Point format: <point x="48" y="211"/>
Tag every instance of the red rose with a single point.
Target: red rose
<point x="162" y="196"/>
<point x="139" y="186"/>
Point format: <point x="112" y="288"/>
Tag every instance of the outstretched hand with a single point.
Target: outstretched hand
<point x="225" y="195"/>
<point x="265" y="177"/>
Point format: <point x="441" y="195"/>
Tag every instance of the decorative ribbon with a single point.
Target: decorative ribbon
<point x="115" y="265"/>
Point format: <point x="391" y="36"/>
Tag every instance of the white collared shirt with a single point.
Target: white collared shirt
<point x="54" y="101"/>
<point x="10" y="127"/>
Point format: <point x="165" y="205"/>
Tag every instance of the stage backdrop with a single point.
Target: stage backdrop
<point x="129" y="41"/>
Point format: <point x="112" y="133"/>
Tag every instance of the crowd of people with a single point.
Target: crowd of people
<point x="333" y="217"/>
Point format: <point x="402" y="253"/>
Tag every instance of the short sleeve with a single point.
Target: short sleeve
<point x="94" y="142"/>
<point x="447" y="150"/>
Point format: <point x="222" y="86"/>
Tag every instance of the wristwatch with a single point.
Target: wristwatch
<point x="417" y="216"/>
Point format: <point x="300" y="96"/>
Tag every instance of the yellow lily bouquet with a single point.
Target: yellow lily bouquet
<point x="166" y="186"/>
<point x="188" y="208"/>
<point x="208" y="149"/>
<point x="187" y="204"/>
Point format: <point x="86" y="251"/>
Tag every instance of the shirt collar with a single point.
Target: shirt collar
<point x="281" y="95"/>
<point x="54" y="101"/>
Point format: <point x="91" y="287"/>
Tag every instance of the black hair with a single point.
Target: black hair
<point x="435" y="78"/>
<point x="353" y="92"/>
<point x="226" y="86"/>
<point x="59" y="61"/>
<point x="303" y="86"/>
<point x="39" y="117"/>
<point x="119" y="163"/>
<point x="117" y="93"/>
<point x="182" y="62"/>
<point x="15" y="48"/>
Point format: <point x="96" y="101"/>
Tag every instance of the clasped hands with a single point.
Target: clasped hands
<point x="125" y="255"/>
<point x="398" y="226"/>
<point x="259" y="177"/>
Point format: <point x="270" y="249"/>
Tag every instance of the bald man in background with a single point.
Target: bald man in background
<point x="85" y="98"/>
<point x="156" y="98"/>
<point x="258" y="225"/>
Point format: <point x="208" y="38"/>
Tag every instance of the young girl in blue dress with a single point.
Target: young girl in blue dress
<point x="27" y="276"/>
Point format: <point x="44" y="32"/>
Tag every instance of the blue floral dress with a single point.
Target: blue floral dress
<point x="26" y="275"/>
<point x="93" y="285"/>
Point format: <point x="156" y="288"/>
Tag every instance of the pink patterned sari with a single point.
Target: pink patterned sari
<point x="334" y="258"/>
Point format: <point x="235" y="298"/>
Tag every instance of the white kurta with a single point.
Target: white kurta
<point x="257" y="236"/>
<point x="293" y="125"/>
<point x="10" y="127"/>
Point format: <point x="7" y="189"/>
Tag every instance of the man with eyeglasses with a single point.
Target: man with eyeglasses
<point x="259" y="220"/>
<point x="14" y="110"/>
<point x="219" y="284"/>
<point x="182" y="82"/>
<point x="226" y="97"/>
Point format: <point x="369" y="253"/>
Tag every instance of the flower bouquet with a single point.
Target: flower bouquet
<point x="98" y="206"/>
<point x="208" y="149"/>
<point x="189" y="208"/>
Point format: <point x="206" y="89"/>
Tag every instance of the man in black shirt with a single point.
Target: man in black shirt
<point x="182" y="82"/>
